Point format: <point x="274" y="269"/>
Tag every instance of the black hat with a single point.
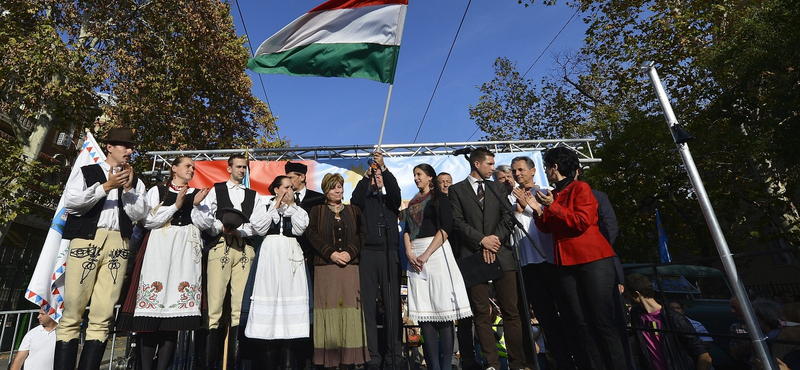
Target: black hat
<point x="232" y="218"/>
<point x="122" y="135"/>
<point x="295" y="167"/>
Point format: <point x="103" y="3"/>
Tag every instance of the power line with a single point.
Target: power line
<point x="442" y="72"/>
<point x="253" y="54"/>
<point x="551" y="41"/>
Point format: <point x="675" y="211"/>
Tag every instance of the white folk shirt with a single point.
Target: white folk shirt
<point x="79" y="199"/>
<point x="41" y="347"/>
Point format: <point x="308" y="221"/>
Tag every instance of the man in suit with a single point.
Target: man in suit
<point x="480" y="221"/>
<point x="306" y="199"/>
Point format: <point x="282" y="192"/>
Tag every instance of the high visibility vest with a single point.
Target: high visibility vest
<point x="501" y="343"/>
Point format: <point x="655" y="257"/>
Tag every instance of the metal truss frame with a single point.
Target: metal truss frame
<point x="582" y="147"/>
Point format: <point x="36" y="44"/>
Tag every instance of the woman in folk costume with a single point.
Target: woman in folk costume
<point x="336" y="232"/>
<point x="166" y="297"/>
<point x="278" y="310"/>
<point x="437" y="295"/>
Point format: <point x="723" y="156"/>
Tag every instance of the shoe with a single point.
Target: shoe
<point x="234" y="350"/>
<point x="212" y="339"/>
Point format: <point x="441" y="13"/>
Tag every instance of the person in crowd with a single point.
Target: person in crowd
<point x="585" y="263"/>
<point x="306" y="199"/>
<point x="337" y="234"/>
<point x="697" y="325"/>
<point x="480" y="222"/>
<point x="380" y="261"/>
<point x="445" y="180"/>
<point x="229" y="257"/>
<point x="740" y="348"/>
<point x="543" y="288"/>
<point x="786" y="297"/>
<point x="101" y="211"/>
<point x="769" y="320"/>
<point x="437" y="295"/>
<point x="787" y="355"/>
<point x="503" y="174"/>
<point x="166" y="289"/>
<point x="38" y="345"/>
<point x="659" y="350"/>
<point x="277" y="308"/>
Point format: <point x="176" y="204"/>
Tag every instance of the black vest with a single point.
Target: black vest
<point x="184" y="214"/>
<point x="224" y="200"/>
<point x="85" y="227"/>
<point x="275" y="229"/>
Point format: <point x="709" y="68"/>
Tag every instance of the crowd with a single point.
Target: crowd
<point x="325" y="275"/>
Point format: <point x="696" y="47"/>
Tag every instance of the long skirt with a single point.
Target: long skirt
<point x="279" y="308"/>
<point x="169" y="289"/>
<point x="438" y="292"/>
<point x="339" y="335"/>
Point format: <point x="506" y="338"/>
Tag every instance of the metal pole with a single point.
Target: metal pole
<point x="385" y="113"/>
<point x="757" y="338"/>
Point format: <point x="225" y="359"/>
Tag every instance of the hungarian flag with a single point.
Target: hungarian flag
<point x="340" y="38"/>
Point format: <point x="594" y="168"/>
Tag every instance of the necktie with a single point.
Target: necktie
<point x="481" y="193"/>
<point x="297" y="198"/>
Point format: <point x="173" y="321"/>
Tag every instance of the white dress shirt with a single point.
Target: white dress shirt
<point x="205" y="214"/>
<point x="263" y="219"/>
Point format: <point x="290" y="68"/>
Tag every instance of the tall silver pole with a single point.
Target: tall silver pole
<point x="758" y="339"/>
<point x="385" y="113"/>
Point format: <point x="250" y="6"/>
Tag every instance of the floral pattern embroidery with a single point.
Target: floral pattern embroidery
<point x="147" y="296"/>
<point x="189" y="296"/>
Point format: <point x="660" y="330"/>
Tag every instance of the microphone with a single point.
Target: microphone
<point x="461" y="151"/>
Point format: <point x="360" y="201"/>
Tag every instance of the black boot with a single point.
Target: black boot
<point x="266" y="355"/>
<point x="234" y="350"/>
<point x="92" y="355"/>
<point x="66" y="355"/>
<point x="287" y="355"/>
<point x="212" y="340"/>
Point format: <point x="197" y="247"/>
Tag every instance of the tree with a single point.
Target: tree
<point x="737" y="96"/>
<point x="174" y="70"/>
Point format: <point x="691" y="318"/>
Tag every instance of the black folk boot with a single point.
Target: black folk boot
<point x="92" y="355"/>
<point x="210" y="359"/>
<point x="66" y="355"/>
<point x="234" y="350"/>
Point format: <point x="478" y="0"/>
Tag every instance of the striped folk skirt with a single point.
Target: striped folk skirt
<point x="339" y="335"/>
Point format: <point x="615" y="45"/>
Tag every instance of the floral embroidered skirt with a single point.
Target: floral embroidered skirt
<point x="168" y="290"/>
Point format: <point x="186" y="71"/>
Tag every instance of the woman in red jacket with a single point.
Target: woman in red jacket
<point x="585" y="264"/>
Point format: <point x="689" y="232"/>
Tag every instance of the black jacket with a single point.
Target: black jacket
<point x="680" y="350"/>
<point x="374" y="212"/>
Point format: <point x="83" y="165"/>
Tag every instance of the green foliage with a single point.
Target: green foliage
<point x="731" y="72"/>
<point x="172" y="69"/>
<point x="23" y="177"/>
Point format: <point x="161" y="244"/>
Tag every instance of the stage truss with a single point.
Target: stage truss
<point x="583" y="147"/>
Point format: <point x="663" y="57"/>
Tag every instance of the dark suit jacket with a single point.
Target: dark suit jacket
<point x="471" y="223"/>
<point x="312" y="199"/>
<point x="607" y="221"/>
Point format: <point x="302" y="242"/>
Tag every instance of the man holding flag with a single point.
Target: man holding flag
<point x="101" y="210"/>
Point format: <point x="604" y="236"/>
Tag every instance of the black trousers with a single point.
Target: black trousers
<point x="374" y="273"/>
<point x="590" y="316"/>
<point x="545" y="295"/>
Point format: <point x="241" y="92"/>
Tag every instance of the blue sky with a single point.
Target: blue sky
<point x="316" y="111"/>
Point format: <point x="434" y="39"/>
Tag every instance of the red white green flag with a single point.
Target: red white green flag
<point x="339" y="38"/>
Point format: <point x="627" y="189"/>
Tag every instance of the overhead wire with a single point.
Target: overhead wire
<point x="540" y="56"/>
<point x="253" y="54"/>
<point x="442" y="71"/>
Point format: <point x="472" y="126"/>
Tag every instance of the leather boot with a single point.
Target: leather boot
<point x="287" y="356"/>
<point x="234" y="350"/>
<point x="210" y="360"/>
<point x="66" y="355"/>
<point x="265" y="355"/>
<point x="92" y="355"/>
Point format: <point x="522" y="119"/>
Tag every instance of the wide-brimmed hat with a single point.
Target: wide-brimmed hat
<point x="232" y="218"/>
<point x="295" y="167"/>
<point x="121" y="135"/>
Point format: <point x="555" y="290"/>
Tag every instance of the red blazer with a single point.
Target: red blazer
<point x="572" y="219"/>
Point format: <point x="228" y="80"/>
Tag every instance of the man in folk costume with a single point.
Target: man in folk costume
<point x="101" y="212"/>
<point x="306" y="199"/>
<point x="229" y="257"/>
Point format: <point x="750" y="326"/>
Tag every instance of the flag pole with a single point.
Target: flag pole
<point x="680" y="137"/>
<point x="385" y="113"/>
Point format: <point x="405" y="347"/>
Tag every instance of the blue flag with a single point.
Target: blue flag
<point x="662" y="241"/>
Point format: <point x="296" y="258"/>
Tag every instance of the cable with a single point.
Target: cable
<point x="551" y="41"/>
<point x="442" y="72"/>
<point x="253" y="54"/>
